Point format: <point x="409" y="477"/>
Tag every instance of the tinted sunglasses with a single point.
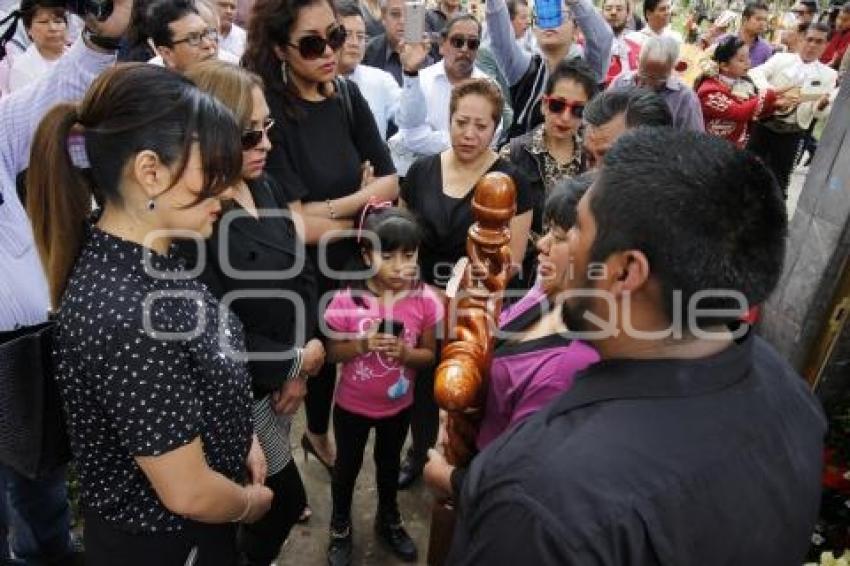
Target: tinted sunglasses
<point x="458" y="41"/>
<point x="558" y="105"/>
<point x="314" y="46"/>
<point x="252" y="138"/>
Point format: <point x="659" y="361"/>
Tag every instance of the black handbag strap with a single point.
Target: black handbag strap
<point x="344" y="92"/>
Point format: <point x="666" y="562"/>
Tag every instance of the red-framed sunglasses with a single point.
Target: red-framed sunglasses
<point x="558" y="105"/>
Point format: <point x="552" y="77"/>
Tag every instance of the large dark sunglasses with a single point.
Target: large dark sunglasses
<point x="252" y="138"/>
<point x="314" y="46"/>
<point x="558" y="105"/>
<point x="458" y="41"/>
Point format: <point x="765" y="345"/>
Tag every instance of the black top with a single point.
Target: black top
<point x="141" y="372"/>
<point x="446" y="220"/>
<point x="317" y="156"/>
<point x="711" y="461"/>
<point x="260" y="269"/>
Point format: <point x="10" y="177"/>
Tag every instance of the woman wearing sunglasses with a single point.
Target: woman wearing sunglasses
<point x="258" y="235"/>
<point x="326" y="151"/>
<point x="552" y="151"/>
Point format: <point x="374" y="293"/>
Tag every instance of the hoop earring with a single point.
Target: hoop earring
<point x="283" y="73"/>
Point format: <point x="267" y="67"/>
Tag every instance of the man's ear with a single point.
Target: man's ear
<point x="630" y="272"/>
<point x="167" y="55"/>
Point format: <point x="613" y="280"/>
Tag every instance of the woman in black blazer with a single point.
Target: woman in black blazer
<point x="257" y="266"/>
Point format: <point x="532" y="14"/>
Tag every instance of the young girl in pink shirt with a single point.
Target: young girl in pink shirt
<point x="382" y="331"/>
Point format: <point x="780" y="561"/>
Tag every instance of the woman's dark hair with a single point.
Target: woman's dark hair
<point x="348" y="8"/>
<point x="727" y="48"/>
<point x="575" y="70"/>
<point x="394" y="229"/>
<point x="708" y="217"/>
<point x="128" y="109"/>
<point x="271" y="26"/>
<point x="562" y="203"/>
<point x="30" y="7"/>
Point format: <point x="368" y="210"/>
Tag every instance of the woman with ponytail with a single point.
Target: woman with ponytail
<point x="159" y="414"/>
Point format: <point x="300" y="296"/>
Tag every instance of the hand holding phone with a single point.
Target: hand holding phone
<point x="414" y="21"/>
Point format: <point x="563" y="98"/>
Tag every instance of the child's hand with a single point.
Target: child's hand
<point x="398" y="350"/>
<point x="381" y="343"/>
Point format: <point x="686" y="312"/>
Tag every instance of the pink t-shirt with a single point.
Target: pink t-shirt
<point x="372" y="385"/>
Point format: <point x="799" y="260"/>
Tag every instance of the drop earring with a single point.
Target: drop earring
<point x="283" y="72"/>
<point x="151" y="204"/>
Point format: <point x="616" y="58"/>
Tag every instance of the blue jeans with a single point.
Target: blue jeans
<point x="36" y="514"/>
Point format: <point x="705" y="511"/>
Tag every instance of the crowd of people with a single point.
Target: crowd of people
<point x="261" y="206"/>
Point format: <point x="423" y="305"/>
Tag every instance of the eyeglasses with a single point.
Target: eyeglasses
<point x="252" y="138"/>
<point x="195" y="38"/>
<point x="314" y="46"/>
<point x="558" y="105"/>
<point x="458" y="41"/>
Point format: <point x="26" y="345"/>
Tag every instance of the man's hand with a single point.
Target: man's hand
<point x="287" y="399"/>
<point x="438" y="474"/>
<point x="256" y="462"/>
<point x="117" y="22"/>
<point x="413" y="55"/>
<point x="313" y="358"/>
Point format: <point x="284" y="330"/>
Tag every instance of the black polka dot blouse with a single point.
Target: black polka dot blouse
<point x="142" y="372"/>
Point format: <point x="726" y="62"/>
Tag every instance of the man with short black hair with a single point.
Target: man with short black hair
<point x="753" y="26"/>
<point x="657" y="14"/>
<point x="805" y="11"/>
<point x="180" y="35"/>
<point x="624" y="52"/>
<point x="658" y="56"/>
<point x="520" y="15"/>
<point x="692" y="441"/>
<point x="377" y="87"/>
<point x="612" y="113"/>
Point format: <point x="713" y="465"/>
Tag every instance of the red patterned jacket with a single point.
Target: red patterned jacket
<point x="728" y="112"/>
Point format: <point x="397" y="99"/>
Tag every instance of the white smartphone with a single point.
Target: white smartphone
<point x="414" y="21"/>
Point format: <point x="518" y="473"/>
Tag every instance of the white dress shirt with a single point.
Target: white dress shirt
<point x="28" y="67"/>
<point x="381" y="92"/>
<point x="641" y="36"/>
<point x="423" y="115"/>
<point x="23" y="288"/>
<point x="234" y="42"/>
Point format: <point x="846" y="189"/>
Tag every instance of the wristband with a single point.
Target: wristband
<point x="108" y="43"/>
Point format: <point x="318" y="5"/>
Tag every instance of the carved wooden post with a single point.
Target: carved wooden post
<point x="460" y="382"/>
